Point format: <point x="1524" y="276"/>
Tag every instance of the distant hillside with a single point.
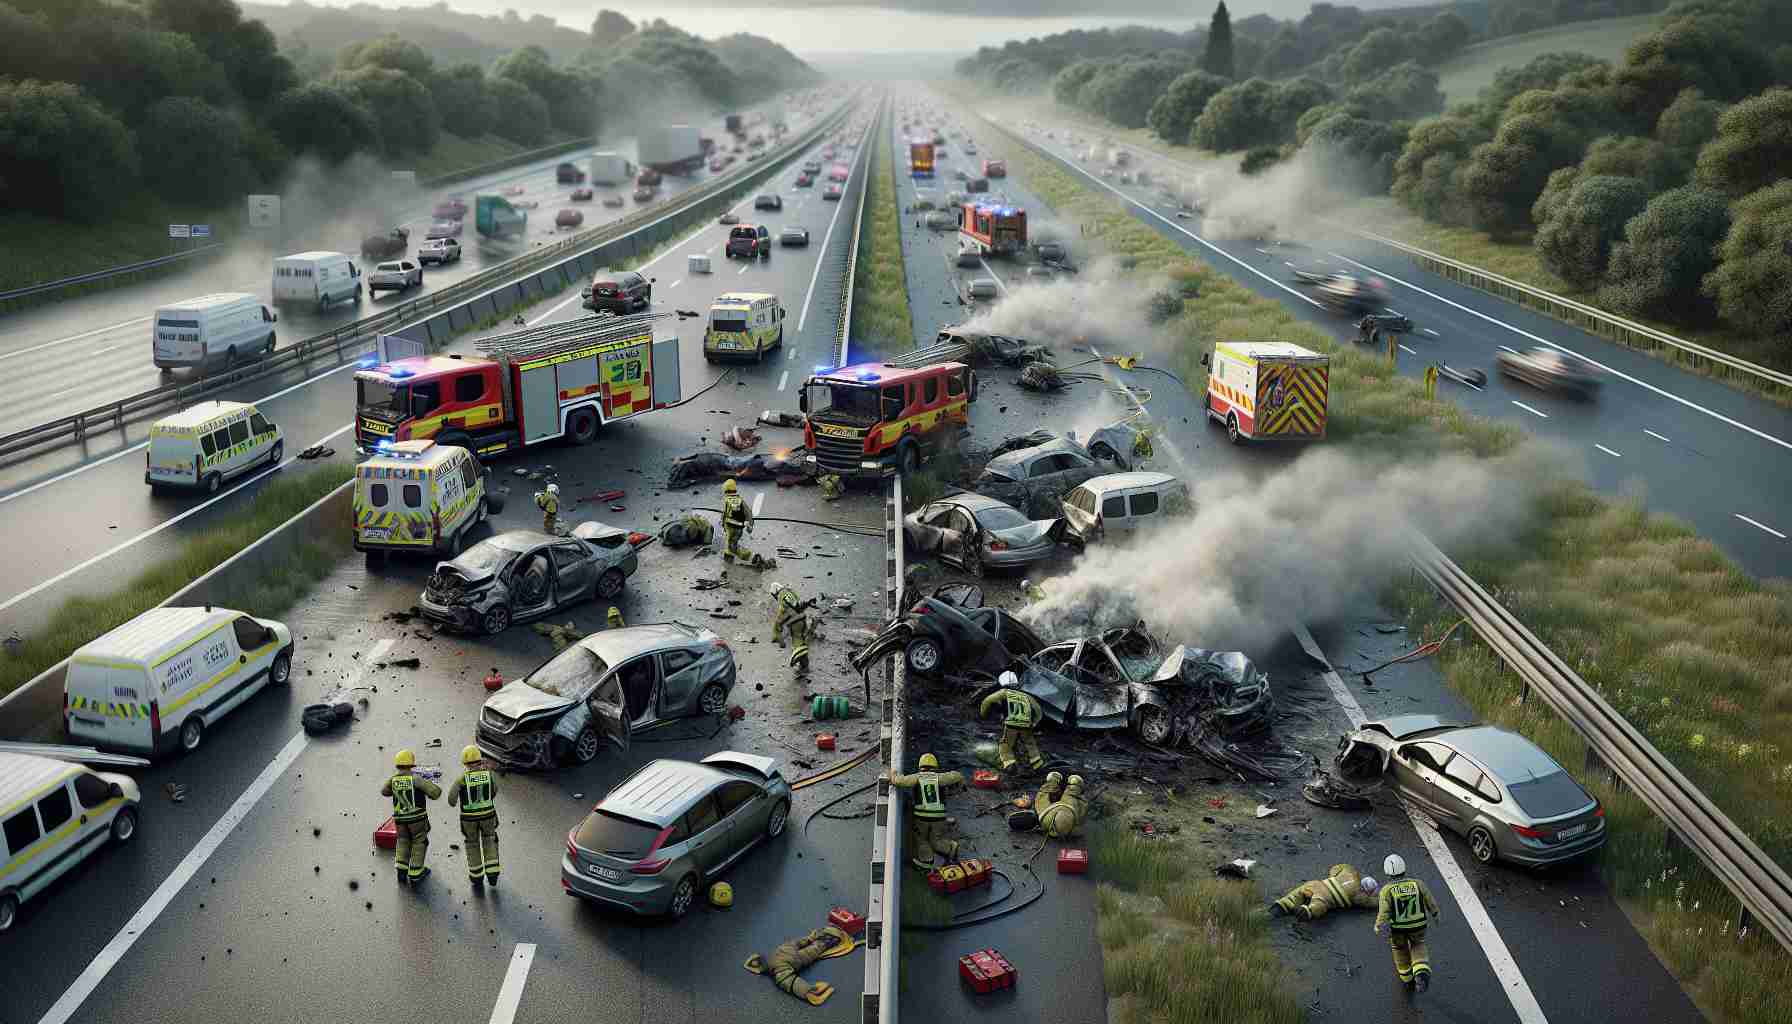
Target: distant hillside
<point x="449" y="36"/>
<point x="1463" y="76"/>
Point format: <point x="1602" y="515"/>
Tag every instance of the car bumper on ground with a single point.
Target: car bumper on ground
<point x="643" y="894"/>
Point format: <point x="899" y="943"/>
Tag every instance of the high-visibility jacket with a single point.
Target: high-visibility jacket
<point x="475" y="791"/>
<point x="1406" y="906"/>
<point x="930" y="804"/>
<point x="409" y="793"/>
<point x="735" y="513"/>
<point x="548" y="503"/>
<point x="1022" y="711"/>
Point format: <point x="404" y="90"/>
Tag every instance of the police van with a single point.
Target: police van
<point x="419" y="496"/>
<point x="743" y="325"/>
<point x="206" y="444"/>
<point x="53" y="814"/>
<point x="157" y="682"/>
<point x="316" y="279"/>
<point x="212" y="329"/>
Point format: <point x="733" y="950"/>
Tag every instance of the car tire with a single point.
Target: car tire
<point x="1481" y="845"/>
<point x="9" y="910"/>
<point x="212" y="482"/>
<point x="496" y="620"/>
<point x="924" y="655"/>
<point x="682" y="897"/>
<point x="376" y="559"/>
<point x="1232" y="433"/>
<point x="270" y="349"/>
<point x="585" y="746"/>
<point x="582" y="428"/>
<point x="908" y="458"/>
<point x="609" y="584"/>
<point x="192" y="734"/>
<point x="481" y="513"/>
<point x="1154" y="726"/>
<point x="124" y="826"/>
<point x="280" y="672"/>
<point x="230" y="359"/>
<point x="780" y="816"/>
<point x="278" y="453"/>
<point x="713" y="699"/>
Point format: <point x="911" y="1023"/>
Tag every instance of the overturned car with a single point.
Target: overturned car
<point x="977" y="347"/>
<point x="951" y="629"/>
<point x="520" y="575"/>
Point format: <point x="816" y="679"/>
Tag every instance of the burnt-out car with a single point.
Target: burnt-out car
<point x="604" y="688"/>
<point x="952" y="632"/>
<point x="520" y="575"/>
<point x="1032" y="479"/>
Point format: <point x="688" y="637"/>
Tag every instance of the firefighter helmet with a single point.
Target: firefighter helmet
<point x="405" y="759"/>
<point x="929" y="762"/>
<point x="721" y="894"/>
<point x="554" y="489"/>
<point x="1393" y="866"/>
<point x="729" y="486"/>
<point x="1074" y="784"/>
<point x="470" y="754"/>
<point x="1370" y="885"/>
<point x="1054" y="779"/>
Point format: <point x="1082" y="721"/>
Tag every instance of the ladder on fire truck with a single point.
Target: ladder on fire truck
<point x="943" y="352"/>
<point x="530" y="342"/>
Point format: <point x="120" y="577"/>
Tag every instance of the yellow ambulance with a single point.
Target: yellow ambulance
<point x="1267" y="390"/>
<point x="421" y="497"/>
<point x="743" y="325"/>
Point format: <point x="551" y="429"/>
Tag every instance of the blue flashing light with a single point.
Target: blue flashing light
<point x="384" y="446"/>
<point x="824" y="369"/>
<point x="369" y="363"/>
<point x="868" y="376"/>
<point x="396" y="374"/>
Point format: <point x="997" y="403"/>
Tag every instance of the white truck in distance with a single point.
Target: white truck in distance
<point x="611" y="169"/>
<point x="672" y="149"/>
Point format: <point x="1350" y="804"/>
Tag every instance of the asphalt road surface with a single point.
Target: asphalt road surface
<point x="1692" y="447"/>
<point x="294" y="907"/>
<point x="121" y="526"/>
<point x="1499" y="950"/>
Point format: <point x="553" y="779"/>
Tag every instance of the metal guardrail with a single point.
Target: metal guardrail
<point x="1761" y="885"/>
<point x="102" y="275"/>
<point x="527" y="156"/>
<point x="331" y="344"/>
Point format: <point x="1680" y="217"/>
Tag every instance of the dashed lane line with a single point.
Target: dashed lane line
<point x="784" y="379"/>
<point x="758" y="500"/>
<point x="1408" y="351"/>
<point x="510" y="995"/>
<point x="1608" y="451"/>
<point x="803" y="317"/>
<point x="1534" y="412"/>
<point x="1656" y="436"/>
<point x="1757" y="524"/>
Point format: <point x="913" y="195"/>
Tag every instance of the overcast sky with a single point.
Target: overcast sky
<point x="835" y="26"/>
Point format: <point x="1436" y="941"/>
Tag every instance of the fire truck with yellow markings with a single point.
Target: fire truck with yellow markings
<point x="540" y="384"/>
<point x="874" y="419"/>
<point x="994" y="228"/>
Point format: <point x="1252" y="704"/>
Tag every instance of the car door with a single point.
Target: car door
<point x="709" y="843"/>
<point x="962" y="531"/>
<point x="1417" y="768"/>
<point x="1456" y="792"/>
<point x="744" y="809"/>
<point x="257" y="645"/>
<point x="531" y="583"/>
<point x="608" y="712"/>
<point x="572" y="571"/>
<point x="638" y="678"/>
<point x="680" y="677"/>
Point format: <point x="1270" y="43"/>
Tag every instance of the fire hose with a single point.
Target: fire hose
<point x="1424" y="650"/>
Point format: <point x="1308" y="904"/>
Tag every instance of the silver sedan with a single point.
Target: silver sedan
<point x="524" y="574"/>
<point x="977" y="533"/>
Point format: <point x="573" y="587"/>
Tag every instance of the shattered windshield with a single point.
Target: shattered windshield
<point x="485" y="557"/>
<point x="570" y="674"/>
<point x="379" y="396"/>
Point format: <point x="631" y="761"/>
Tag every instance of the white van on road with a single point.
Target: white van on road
<point x="316" y="279"/>
<point x="212" y="329"/>
<point x="53" y="815"/>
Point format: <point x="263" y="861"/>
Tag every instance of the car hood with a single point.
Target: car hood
<point x="519" y="700"/>
<point x="1027" y="534"/>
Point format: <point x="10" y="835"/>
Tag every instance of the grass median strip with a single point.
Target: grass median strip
<point x="275" y="587"/>
<point x="881" y="323"/>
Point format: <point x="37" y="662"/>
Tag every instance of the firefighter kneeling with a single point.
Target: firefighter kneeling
<point x="1058" y="810"/>
<point x="1342" y="887"/>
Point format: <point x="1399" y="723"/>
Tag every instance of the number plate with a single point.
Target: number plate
<point x="376" y="533"/>
<point x="1570" y="833"/>
<point x="607" y="874"/>
<point x="728" y="344"/>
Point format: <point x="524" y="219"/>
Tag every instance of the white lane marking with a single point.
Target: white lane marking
<point x="1760" y="525"/>
<point x="1431" y="332"/>
<point x="510" y="995"/>
<point x="562" y="304"/>
<point x="758" y="500"/>
<point x="1608" y="451"/>
<point x="744" y="269"/>
<point x="1508" y="348"/>
<point x="1263" y="252"/>
<point x="1526" y="408"/>
<point x="64" y="1008"/>
<point x="675" y="284"/>
<point x="1639" y="382"/>
<point x="75" y="337"/>
<point x="803" y="317"/>
<point x="103" y="351"/>
<point x="792" y="356"/>
<point x="1656" y="436"/>
<point x="158" y="528"/>
<point x="783" y="380"/>
<point x="1408" y="351"/>
<point x="1505" y="968"/>
<point x="1003" y="285"/>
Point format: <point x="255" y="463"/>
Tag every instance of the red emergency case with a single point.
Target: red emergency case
<point x="986" y="971"/>
<point x="961" y="876"/>
<point x="386" y="836"/>
<point x="1073" y="862"/>
<point x="983" y="778"/>
<point x="847" y="921"/>
<point x="825" y="741"/>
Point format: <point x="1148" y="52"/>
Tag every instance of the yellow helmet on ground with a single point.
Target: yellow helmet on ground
<point x="929" y="762"/>
<point x="405" y="759"/>
<point x="721" y="894"/>
<point x="729" y="486"/>
<point x="470" y="754"/>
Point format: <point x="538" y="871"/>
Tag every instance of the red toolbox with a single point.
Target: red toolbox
<point x="847" y="921"/>
<point x="986" y="971"/>
<point x="983" y="778"/>
<point x="1073" y="862"/>
<point x="961" y="876"/>
<point x="386" y="836"/>
<point x="824" y="741"/>
<point x="977" y="872"/>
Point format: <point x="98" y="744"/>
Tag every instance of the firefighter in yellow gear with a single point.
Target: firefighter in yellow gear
<point x="737" y="521"/>
<point x="927" y="819"/>
<point x="1061" y="814"/>
<point x="475" y="791"/>
<point x="549" y="503"/>
<point x="798" y="953"/>
<point x="1141" y="445"/>
<point x="613" y="618"/>
<point x="410" y="795"/>
<point x="832" y="487"/>
<point x="792" y="613"/>
<point x="1406" y="909"/>
<point x="1021" y="717"/>
<point x="1033" y="591"/>
<point x="1342" y="887"/>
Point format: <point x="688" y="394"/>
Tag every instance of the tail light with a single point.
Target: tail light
<point x="155" y="718"/>
<point x="997" y="545"/>
<point x="1528" y="832"/>
<point x="572" y="848"/>
<point x="651" y="865"/>
<point x="1599" y="811"/>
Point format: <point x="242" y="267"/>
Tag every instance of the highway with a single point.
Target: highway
<point x="295" y="908"/>
<point x="1691" y="447"/>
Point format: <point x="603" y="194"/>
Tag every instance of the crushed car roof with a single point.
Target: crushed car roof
<point x="1015" y="459"/>
<point x="615" y="646"/>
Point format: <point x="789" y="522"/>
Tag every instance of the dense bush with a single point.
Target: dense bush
<point x="1752" y="283"/>
<point x="1576" y="239"/>
<point x="1658" y="268"/>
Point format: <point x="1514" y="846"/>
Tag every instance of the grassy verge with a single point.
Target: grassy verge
<point x="1463" y="76"/>
<point x="881" y="323"/>
<point x="273" y="589"/>
<point x="1692" y="650"/>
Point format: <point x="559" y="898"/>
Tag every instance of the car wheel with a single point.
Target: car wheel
<point x="230" y="359"/>
<point x="924" y="655"/>
<point x="212" y="483"/>
<point x="973" y="563"/>
<point x="192" y="733"/>
<point x="908" y="458"/>
<point x="583" y="427"/>
<point x="585" y="747"/>
<point x="610" y="584"/>
<point x="1480" y="844"/>
<point x="774" y="825"/>
<point x="495" y="621"/>
<point x="9" y="910"/>
<point x="713" y="700"/>
<point x="278" y="452"/>
<point x="1154" y="726"/>
<point x="280" y="672"/>
<point x="1232" y="433"/>
<point x="480" y="513"/>
<point x="124" y="825"/>
<point x="683" y="897"/>
<point x="270" y="348"/>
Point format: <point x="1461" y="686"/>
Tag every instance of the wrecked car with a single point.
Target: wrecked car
<point x="978" y="533"/>
<point x="1496" y="789"/>
<point x="952" y="630"/>
<point x="520" y="575"/>
<point x="1033" y="479"/>
<point x="982" y="347"/>
<point x="603" y="688"/>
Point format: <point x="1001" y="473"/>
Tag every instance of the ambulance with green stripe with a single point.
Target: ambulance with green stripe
<point x="158" y="682"/>
<point x="743" y="325"/>
<point x="419" y="497"/>
<point x="204" y="445"/>
<point x="53" y="814"/>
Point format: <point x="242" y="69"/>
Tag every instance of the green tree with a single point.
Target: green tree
<point x="1688" y="54"/>
<point x="520" y="115"/>
<point x="1752" y="283"/>
<point x="1543" y="71"/>
<point x="1377" y="52"/>
<point x="610" y="28"/>
<point x="400" y="105"/>
<point x="192" y="151"/>
<point x="1635" y="156"/>
<point x="61" y="153"/>
<point x="1067" y="85"/>
<point x="1284" y="54"/>
<point x="1293" y="98"/>
<point x="245" y="49"/>
<point x="1174" y="113"/>
<point x="1124" y="92"/>
<point x="571" y="109"/>
<point x="1657" y="270"/>
<point x="1238" y="117"/>
<point x="1357" y="152"/>
<point x="1441" y="38"/>
<point x="1258" y="159"/>
<point x="28" y="45"/>
<point x="321" y="120"/>
<point x="1753" y="147"/>
<point x="1576" y="241"/>
<point x="1688" y="123"/>
<point x="1427" y="173"/>
<point x="1404" y="91"/>
<point x="388" y="51"/>
<point x="1219" y="58"/>
<point x="161" y="64"/>
<point x="1555" y="192"/>
<point x="461" y="98"/>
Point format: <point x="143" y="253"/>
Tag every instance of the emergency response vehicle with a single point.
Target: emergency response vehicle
<point x="995" y="229"/>
<point x="743" y="325"/>
<point x="156" y="683"/>
<point x="529" y="386"/>
<point x="874" y="419"/>
<point x="56" y="815"/>
<point x="1267" y="390"/>
<point x="920" y="159"/>
<point x="206" y="444"/>
<point x="995" y="168"/>
<point x="419" y="496"/>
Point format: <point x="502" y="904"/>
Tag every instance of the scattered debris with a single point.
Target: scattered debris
<point x="705" y="583"/>
<point x="400" y="663"/>
<point x="1240" y="868"/>
<point x="780" y="418"/>
<point x="176" y="792"/>
<point x="760" y="466"/>
<point x="740" y="438"/>
<point x="1264" y="810"/>
<point x="317" y="451"/>
<point x="1041" y="377"/>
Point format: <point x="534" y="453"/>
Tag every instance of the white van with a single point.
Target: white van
<point x="1122" y="502"/>
<point x="316" y="279"/>
<point x="421" y="497"/>
<point x="52" y="815"/>
<point x="159" y="681"/>
<point x="206" y="444"/>
<point x="212" y="329"/>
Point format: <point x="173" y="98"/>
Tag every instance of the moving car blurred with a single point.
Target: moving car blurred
<point x="793" y="236"/>
<point x="728" y="218"/>
<point x="1552" y="370"/>
<point x="387" y="244"/>
<point x="568" y="218"/>
<point x="768" y="202"/>
<point x="395" y="276"/>
<point x="717" y="165"/>
<point x="439" y="250"/>
<point x="749" y="241"/>
<point x="648" y="177"/>
<point x="449" y="228"/>
<point x="514" y="190"/>
<point x="521" y="575"/>
<point x="652" y="843"/>
<point x="978" y="533"/>
<point x="612" y="200"/>
<point x="582" y="194"/>
<point x="805" y="180"/>
<point x="1344" y="292"/>
<point x="644" y="194"/>
<point x="569" y="174"/>
<point x="833" y="192"/>
<point x="452" y="208"/>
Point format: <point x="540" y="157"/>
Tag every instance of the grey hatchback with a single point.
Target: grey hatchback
<point x="651" y="843"/>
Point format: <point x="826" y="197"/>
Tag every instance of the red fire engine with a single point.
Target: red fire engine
<point x="994" y="228"/>
<point x="877" y="418"/>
